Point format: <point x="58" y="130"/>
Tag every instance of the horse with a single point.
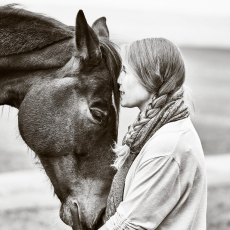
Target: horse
<point x="63" y="81"/>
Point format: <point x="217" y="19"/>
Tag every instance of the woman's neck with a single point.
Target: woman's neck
<point x="144" y="105"/>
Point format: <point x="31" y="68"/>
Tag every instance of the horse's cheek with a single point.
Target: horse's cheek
<point x="46" y="128"/>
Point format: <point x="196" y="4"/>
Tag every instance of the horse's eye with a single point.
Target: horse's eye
<point x="98" y="115"/>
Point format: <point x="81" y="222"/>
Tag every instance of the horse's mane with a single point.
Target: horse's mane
<point x="114" y="63"/>
<point x="23" y="31"/>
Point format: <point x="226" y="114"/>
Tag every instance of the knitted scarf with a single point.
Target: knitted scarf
<point x="172" y="110"/>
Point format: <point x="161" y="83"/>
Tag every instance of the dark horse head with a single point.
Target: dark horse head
<point x="63" y="81"/>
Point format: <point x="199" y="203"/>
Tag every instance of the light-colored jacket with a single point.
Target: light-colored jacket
<point x="165" y="188"/>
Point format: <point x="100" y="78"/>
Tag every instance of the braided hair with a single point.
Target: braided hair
<point x="159" y="65"/>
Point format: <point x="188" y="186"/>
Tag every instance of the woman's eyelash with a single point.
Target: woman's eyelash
<point x="123" y="69"/>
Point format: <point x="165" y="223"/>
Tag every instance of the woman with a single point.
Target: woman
<point x="161" y="179"/>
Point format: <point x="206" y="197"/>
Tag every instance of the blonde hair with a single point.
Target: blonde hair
<point x="159" y="66"/>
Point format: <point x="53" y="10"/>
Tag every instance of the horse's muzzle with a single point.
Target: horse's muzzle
<point x="72" y="216"/>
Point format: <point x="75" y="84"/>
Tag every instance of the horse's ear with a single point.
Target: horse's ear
<point x="87" y="42"/>
<point x="100" y="27"/>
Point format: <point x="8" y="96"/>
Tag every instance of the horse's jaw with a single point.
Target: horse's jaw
<point x="87" y="191"/>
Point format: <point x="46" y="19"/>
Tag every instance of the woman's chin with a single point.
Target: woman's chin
<point x="125" y="105"/>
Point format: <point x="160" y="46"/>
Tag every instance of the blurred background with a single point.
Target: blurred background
<point x="201" y="28"/>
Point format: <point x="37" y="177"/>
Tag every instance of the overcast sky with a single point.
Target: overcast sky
<point x="185" y="22"/>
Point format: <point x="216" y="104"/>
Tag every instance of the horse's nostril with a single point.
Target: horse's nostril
<point x="75" y="217"/>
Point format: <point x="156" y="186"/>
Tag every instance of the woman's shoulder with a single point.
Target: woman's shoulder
<point x="178" y="139"/>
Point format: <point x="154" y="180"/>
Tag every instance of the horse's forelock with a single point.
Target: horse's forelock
<point x="114" y="63"/>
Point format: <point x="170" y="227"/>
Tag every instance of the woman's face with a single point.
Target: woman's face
<point x="133" y="93"/>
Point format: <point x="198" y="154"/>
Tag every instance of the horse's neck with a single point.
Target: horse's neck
<point x="19" y="72"/>
<point x="14" y="85"/>
<point x="49" y="57"/>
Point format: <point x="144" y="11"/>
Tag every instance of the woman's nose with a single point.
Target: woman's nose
<point x="119" y="80"/>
